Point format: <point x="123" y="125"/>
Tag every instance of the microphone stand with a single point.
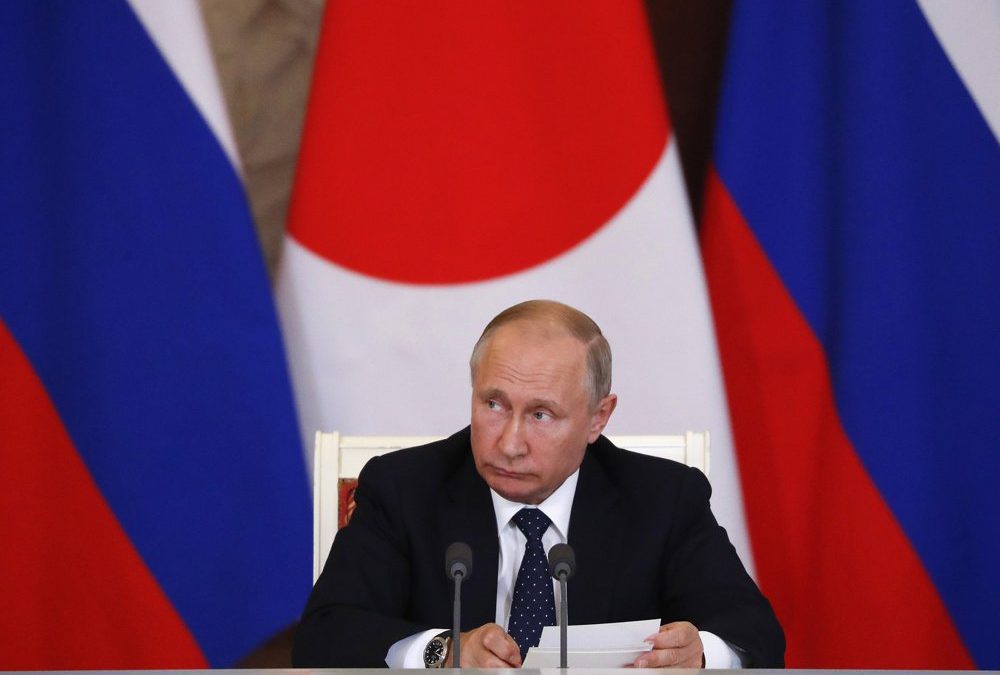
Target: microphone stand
<point x="562" y="564"/>
<point x="458" y="566"/>
<point x="563" y="619"/>
<point x="456" y="623"/>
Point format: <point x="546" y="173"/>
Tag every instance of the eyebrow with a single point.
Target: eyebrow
<point x="493" y="393"/>
<point x="545" y="403"/>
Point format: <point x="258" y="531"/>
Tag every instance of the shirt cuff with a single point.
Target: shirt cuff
<point x="409" y="652"/>
<point x="718" y="654"/>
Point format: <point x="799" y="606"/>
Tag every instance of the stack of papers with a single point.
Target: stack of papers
<point x="599" y="645"/>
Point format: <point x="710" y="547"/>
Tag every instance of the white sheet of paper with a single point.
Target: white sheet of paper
<point x="591" y="658"/>
<point x="598" y="645"/>
<point x="601" y="636"/>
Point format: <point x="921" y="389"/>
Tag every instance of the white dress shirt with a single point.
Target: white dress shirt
<point x="409" y="652"/>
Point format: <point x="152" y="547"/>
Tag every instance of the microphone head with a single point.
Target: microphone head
<point x="562" y="561"/>
<point x="458" y="560"/>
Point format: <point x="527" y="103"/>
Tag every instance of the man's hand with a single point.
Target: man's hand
<point x="677" y="645"/>
<point x="488" y="646"/>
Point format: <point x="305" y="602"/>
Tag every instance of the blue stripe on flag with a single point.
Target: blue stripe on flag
<point x="131" y="276"/>
<point x="870" y="178"/>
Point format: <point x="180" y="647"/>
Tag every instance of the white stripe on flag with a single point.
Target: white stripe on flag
<point x="969" y="32"/>
<point x="177" y="28"/>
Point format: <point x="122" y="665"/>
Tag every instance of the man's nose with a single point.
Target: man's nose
<point x="512" y="443"/>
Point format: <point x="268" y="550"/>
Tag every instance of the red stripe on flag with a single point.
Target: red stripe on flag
<point x="844" y="580"/>
<point x="75" y="593"/>
<point x="473" y="140"/>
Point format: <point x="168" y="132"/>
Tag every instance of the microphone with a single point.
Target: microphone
<point x="458" y="567"/>
<point x="562" y="565"/>
<point x="562" y="561"/>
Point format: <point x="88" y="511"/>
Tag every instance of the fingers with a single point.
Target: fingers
<point x="677" y="645"/>
<point x="502" y="646"/>
<point x="489" y="646"/>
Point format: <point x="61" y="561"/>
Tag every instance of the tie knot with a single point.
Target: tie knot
<point x="532" y="522"/>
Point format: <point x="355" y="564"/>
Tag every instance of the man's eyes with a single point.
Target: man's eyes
<point x="538" y="415"/>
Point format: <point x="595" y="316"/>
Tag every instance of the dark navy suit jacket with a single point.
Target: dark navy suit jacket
<point x="646" y="543"/>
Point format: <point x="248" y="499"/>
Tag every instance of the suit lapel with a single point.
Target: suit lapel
<point x="469" y="518"/>
<point x="595" y="535"/>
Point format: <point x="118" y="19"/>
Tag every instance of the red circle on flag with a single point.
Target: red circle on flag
<point x="464" y="141"/>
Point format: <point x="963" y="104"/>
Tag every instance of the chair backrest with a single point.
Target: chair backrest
<point x="339" y="459"/>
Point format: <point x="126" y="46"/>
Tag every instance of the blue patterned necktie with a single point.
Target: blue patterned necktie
<point x="534" y="604"/>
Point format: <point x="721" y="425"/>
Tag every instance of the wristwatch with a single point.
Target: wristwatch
<point x="436" y="651"/>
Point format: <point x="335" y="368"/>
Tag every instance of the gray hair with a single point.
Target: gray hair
<point x="575" y="323"/>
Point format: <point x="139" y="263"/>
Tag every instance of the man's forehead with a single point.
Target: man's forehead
<point x="534" y="332"/>
<point x="537" y="361"/>
<point x="535" y="350"/>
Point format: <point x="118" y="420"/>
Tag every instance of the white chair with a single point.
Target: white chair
<point x="339" y="460"/>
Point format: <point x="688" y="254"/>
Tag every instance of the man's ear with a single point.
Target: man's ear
<point x="601" y="415"/>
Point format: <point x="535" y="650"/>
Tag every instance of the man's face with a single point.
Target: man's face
<point x="531" y="413"/>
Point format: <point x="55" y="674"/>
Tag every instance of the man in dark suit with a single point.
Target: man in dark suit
<point x="646" y="542"/>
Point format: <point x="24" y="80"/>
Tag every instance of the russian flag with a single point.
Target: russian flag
<point x="852" y="239"/>
<point x="154" y="500"/>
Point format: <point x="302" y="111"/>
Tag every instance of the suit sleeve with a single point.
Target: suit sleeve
<point x="706" y="584"/>
<point x="357" y="608"/>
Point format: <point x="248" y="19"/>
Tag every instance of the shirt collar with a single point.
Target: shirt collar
<point x="557" y="507"/>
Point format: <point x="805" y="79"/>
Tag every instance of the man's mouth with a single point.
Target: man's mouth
<point x="502" y="473"/>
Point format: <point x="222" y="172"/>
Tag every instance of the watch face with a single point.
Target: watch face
<point x="434" y="652"/>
